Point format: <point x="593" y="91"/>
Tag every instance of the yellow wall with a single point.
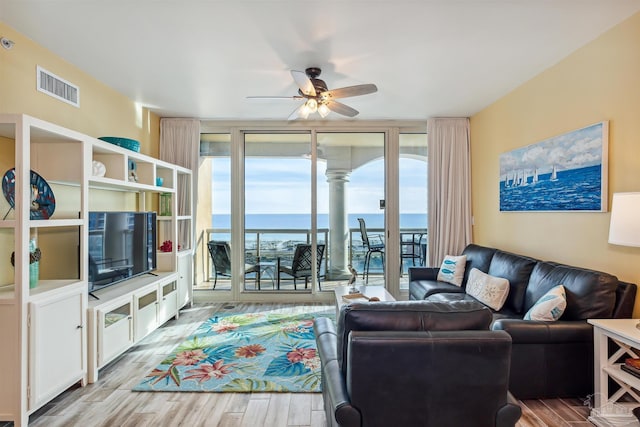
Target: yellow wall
<point x="600" y="81"/>
<point x="102" y="112"/>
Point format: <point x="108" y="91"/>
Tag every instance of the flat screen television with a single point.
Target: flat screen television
<point x="121" y="245"/>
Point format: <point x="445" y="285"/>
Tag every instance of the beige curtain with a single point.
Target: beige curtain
<point x="180" y="145"/>
<point x="449" y="185"/>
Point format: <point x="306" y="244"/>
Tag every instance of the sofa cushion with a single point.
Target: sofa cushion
<point x="451" y="296"/>
<point x="409" y="316"/>
<point x="422" y="289"/>
<point x="550" y="306"/>
<point x="489" y="290"/>
<point x="516" y="269"/>
<point x="477" y="257"/>
<point x="590" y="294"/>
<point x="452" y="269"/>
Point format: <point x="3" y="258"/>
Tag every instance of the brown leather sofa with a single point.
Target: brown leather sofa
<point x="415" y="364"/>
<point x="548" y="359"/>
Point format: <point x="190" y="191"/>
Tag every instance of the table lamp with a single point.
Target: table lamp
<point x="624" y="228"/>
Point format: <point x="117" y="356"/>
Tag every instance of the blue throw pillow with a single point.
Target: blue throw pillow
<point x="452" y="269"/>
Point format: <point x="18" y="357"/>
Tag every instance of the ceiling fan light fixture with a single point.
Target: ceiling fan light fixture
<point x="312" y="105"/>
<point x="304" y="112"/>
<point x="323" y="110"/>
<point x="318" y="98"/>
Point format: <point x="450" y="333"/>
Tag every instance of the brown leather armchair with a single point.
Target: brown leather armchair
<point x="415" y="364"/>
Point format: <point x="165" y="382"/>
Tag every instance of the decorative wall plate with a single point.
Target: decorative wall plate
<point x="43" y="202"/>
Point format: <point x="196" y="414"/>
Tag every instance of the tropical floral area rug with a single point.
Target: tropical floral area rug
<point x="266" y="352"/>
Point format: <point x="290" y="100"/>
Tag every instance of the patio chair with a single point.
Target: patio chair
<point x="221" y="256"/>
<point x="301" y="265"/>
<point x="412" y="248"/>
<point x="373" y="243"/>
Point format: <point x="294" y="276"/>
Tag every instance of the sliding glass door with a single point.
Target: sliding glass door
<point x="412" y="195"/>
<point x="277" y="212"/>
<point x="290" y="211"/>
<point x="351" y="188"/>
<point x="214" y="213"/>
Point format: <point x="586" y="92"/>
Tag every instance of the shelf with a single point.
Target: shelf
<point x="120" y="162"/>
<point x="43" y="223"/>
<point x="8" y="223"/>
<point x="64" y="183"/>
<point x="7" y="293"/>
<point x="117" y="184"/>
<point x="616" y="372"/>
<point x="46" y="286"/>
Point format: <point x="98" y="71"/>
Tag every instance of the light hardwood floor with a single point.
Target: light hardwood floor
<point x="110" y="401"/>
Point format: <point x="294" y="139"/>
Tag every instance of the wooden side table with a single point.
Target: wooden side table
<point x="625" y="335"/>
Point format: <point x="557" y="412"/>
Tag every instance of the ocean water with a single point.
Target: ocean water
<point x="574" y="190"/>
<point x="303" y="221"/>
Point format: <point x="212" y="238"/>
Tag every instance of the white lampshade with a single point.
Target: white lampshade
<point x="624" y="228"/>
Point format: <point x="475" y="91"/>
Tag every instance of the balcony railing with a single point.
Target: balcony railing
<point x="279" y="244"/>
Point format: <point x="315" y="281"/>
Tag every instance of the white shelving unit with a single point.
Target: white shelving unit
<point x="52" y="335"/>
<point x="614" y="340"/>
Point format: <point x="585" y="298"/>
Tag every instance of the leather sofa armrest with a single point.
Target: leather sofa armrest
<point x="326" y="339"/>
<point x="510" y="413"/>
<point x="336" y="389"/>
<point x="533" y="331"/>
<point x="423" y="273"/>
<point x="625" y="300"/>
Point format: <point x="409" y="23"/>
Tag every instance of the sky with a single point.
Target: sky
<point x="284" y="186"/>
<point x="577" y="149"/>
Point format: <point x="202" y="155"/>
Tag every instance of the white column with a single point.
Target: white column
<point x="338" y="225"/>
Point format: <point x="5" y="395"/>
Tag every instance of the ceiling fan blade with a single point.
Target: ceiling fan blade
<point x="299" y="113"/>
<point x="303" y="82"/>
<point x="288" y="98"/>
<point x="345" y="92"/>
<point x="340" y="108"/>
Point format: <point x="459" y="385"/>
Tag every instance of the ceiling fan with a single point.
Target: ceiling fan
<point x="318" y="97"/>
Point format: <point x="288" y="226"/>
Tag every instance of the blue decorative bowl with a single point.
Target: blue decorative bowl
<point x="130" y="144"/>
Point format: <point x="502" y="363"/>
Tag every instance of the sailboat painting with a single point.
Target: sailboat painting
<point x="567" y="172"/>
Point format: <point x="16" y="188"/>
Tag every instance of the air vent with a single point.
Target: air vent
<point x="57" y="87"/>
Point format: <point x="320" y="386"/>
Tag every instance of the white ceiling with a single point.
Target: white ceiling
<point x="202" y="58"/>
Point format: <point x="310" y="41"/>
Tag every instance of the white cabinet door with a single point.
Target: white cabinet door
<point x="145" y="315"/>
<point x="168" y="302"/>
<point x="115" y="331"/>
<point x="185" y="279"/>
<point x="56" y="346"/>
